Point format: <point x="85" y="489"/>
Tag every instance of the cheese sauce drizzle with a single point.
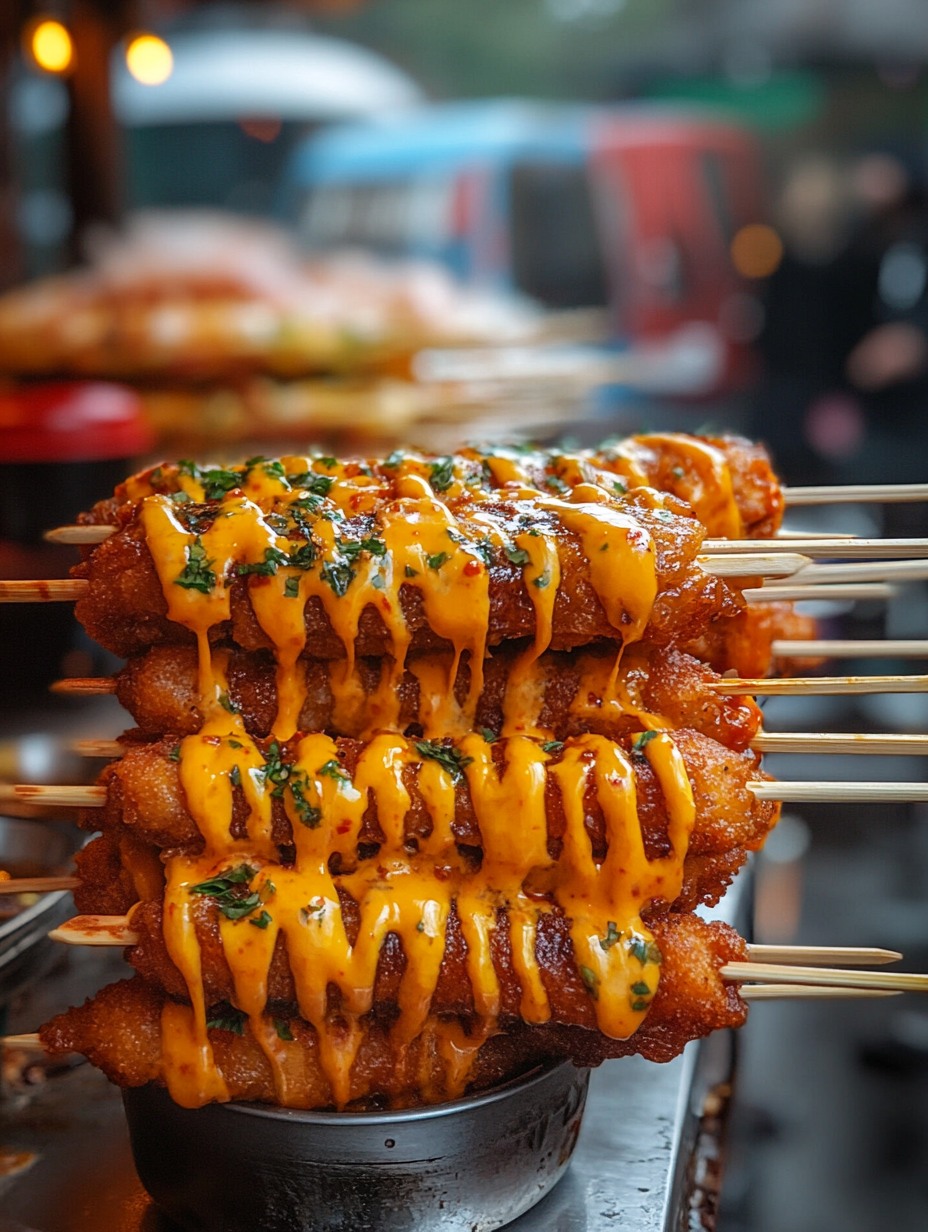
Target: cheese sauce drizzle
<point x="279" y="526"/>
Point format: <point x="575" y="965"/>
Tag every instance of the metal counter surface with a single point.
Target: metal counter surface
<point x="631" y="1170"/>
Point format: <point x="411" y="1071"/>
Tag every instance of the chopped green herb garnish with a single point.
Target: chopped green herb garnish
<point x="448" y="757"/>
<point x="644" y="951"/>
<point x="678" y="472"/>
<point x="262" y="920"/>
<point x="315" y="909"/>
<point x="516" y="556"/>
<point x="312" y="482"/>
<point x="555" y="483"/>
<point x="436" y="561"/>
<point x="304" y="557"/>
<point x="283" y="1030"/>
<point x="339" y="575"/>
<point x="225" y="701"/>
<point x="307" y="813"/>
<point x="641" y="989"/>
<point x="228" y="890"/>
<point x="292" y="588"/>
<point x="328" y="463"/>
<point x="393" y="460"/>
<point x="174" y="754"/>
<point x="543" y="581"/>
<point x="235" y="744"/>
<point x="410" y="572"/>
<point x="591" y="979"/>
<point x="488" y="734"/>
<point x="276" y="770"/>
<point x="378" y="581"/>
<point x="552" y="746"/>
<point x="442" y="474"/>
<point x="181" y="498"/>
<point x="197" y="573"/>
<point x="331" y="769"/>
<point x="612" y="936"/>
<point x="273" y="558"/>
<point x="619" y="487"/>
<point x="235" y="776"/>
<point x="227" y="1019"/>
<point x="641" y="740"/>
<point x="420" y="927"/>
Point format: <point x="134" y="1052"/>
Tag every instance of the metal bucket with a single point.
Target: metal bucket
<point x="469" y="1166"/>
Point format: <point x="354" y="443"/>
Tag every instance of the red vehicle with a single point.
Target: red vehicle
<point x="630" y="208"/>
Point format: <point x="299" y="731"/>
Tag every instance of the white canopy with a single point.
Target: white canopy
<point x="258" y="74"/>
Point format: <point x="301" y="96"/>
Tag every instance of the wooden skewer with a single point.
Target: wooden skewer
<point x="854" y="494"/>
<point x="53" y="796"/>
<point x="809" y="992"/>
<point x="756" y="564"/>
<point x="835" y="955"/>
<point x="794" y="792"/>
<point x="38" y="885"/>
<point x="819" y="686"/>
<point x="116" y="930"/>
<point x="847" y="649"/>
<point x="23" y="1043"/>
<point x="54" y="590"/>
<point x="85" y="686"/>
<point x="782" y="973"/>
<point x="98" y="748"/>
<point x="79" y="535"/>
<point x="800" y="791"/>
<point x="824" y="546"/>
<point x="878" y="745"/>
<point x="861" y="571"/>
<point x="858" y="591"/>
<point x="95" y="930"/>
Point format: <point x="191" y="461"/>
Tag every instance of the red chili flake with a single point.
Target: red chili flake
<point x="214" y="740"/>
<point x="442" y="872"/>
<point x="343" y="827"/>
<point x="472" y="568"/>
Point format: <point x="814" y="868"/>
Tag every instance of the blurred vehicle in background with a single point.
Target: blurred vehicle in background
<point x="629" y="209"/>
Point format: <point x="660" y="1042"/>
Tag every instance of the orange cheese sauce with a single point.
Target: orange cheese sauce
<point x="282" y="530"/>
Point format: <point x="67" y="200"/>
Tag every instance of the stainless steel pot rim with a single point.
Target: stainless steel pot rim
<point x="334" y="1120"/>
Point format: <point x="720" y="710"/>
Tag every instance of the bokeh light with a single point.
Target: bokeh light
<point x="51" y="47"/>
<point x="149" y="59"/>
<point x="756" y="251"/>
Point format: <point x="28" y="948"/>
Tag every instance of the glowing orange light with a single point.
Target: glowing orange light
<point x="51" y="47"/>
<point x="149" y="59"/>
<point x="756" y="251"/>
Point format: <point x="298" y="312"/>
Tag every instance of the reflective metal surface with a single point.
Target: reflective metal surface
<point x="473" y="1165"/>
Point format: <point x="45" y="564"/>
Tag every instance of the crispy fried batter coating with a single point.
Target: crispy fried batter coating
<point x="145" y="796"/>
<point x="159" y="690"/>
<point x="119" y="1031"/>
<point x="125" y="609"/>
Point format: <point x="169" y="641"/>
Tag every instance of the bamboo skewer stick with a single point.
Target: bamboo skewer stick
<point x="783" y="973"/>
<point x="818" y="686"/>
<point x="821" y="593"/>
<point x="853" y="494"/>
<point x="824" y="547"/>
<point x="875" y="744"/>
<point x="95" y="930"/>
<point x="835" y="955"/>
<point x="796" y="791"/>
<point x="801" y="791"/>
<point x="746" y="564"/>
<point x="809" y="992"/>
<point x="54" y="590"/>
<point x="862" y="571"/>
<point x="89" y="796"/>
<point x="116" y="930"/>
<point x="889" y="648"/>
<point x="85" y="686"/>
<point x="38" y="885"/>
